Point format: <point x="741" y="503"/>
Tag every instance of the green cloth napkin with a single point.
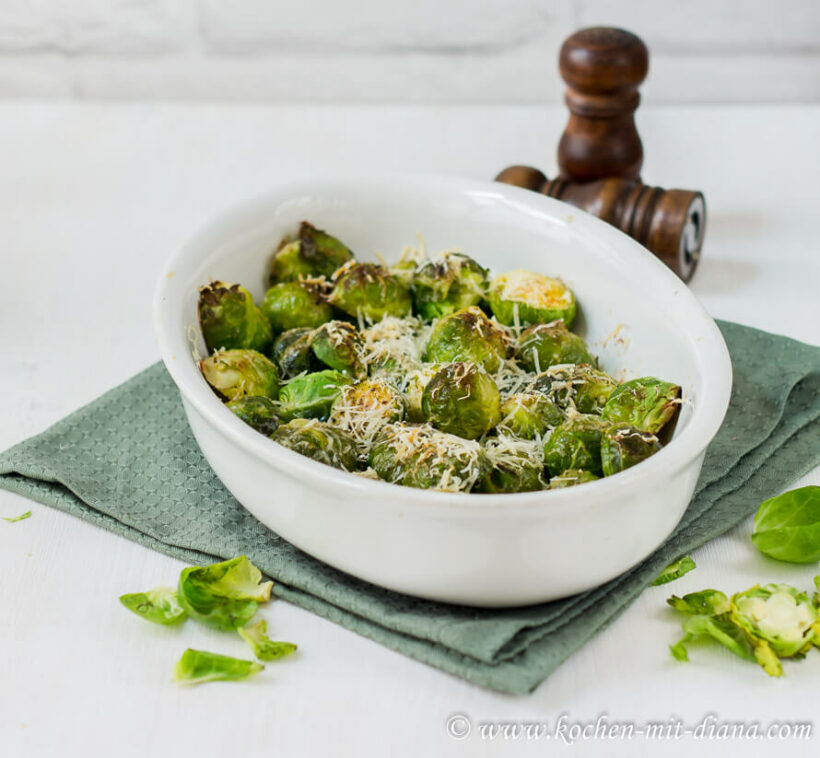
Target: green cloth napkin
<point x="128" y="462"/>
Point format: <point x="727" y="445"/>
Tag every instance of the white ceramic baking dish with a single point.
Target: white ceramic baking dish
<point x="486" y="550"/>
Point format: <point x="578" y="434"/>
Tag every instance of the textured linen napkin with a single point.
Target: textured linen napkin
<point x="128" y="462"/>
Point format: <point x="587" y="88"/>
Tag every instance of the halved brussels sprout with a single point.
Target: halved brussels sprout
<point x="581" y="387"/>
<point x="311" y="395"/>
<point x="462" y="399"/>
<point x="319" y="441"/>
<point x="516" y="465"/>
<point x="339" y="345"/>
<point x="291" y="305"/>
<point x="240" y="373"/>
<point x="257" y="411"/>
<point x="448" y="283"/>
<point x="363" y="409"/>
<point x="622" y="446"/>
<point x="544" y="345"/>
<point x="420" y="456"/>
<point x="571" y="477"/>
<point x="523" y="297"/>
<point x="264" y="648"/>
<point x="647" y="403"/>
<point x="198" y="666"/>
<point x="468" y="335"/>
<point x="229" y="319"/>
<point x="414" y="389"/>
<point x="293" y="354"/>
<point x="576" y="444"/>
<point x="370" y="292"/>
<point x="314" y="253"/>
<point x="529" y="415"/>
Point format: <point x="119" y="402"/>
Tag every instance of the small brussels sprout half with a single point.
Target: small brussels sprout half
<point x="523" y="297"/>
<point x="516" y="465"/>
<point x="319" y="441"/>
<point x="468" y="335"/>
<point x="313" y="254"/>
<point x="257" y="411"/>
<point x="160" y="606"/>
<point x="363" y="409"/>
<point x="575" y="444"/>
<point x="230" y="320"/>
<point x="264" y="648"/>
<point x="622" y="446"/>
<point x="648" y="404"/>
<point x="311" y="395"/>
<point x="339" y="345"/>
<point x="571" y="477"/>
<point x="199" y="666"/>
<point x="462" y="399"/>
<point x="423" y="457"/>
<point x="416" y="382"/>
<point x="674" y="570"/>
<point x="293" y="354"/>
<point x="448" y="283"/>
<point x="581" y="387"/>
<point x="543" y="345"/>
<point x="241" y="373"/>
<point x="370" y="292"/>
<point x="291" y="305"/>
<point x="223" y="595"/>
<point x="529" y="415"/>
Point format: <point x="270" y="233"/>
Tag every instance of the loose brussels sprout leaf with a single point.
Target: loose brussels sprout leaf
<point x="294" y="305"/>
<point x="315" y="253"/>
<point x="339" y="345"/>
<point x="516" y="465"/>
<point x="293" y="354"/>
<point x="229" y="319"/>
<point x="529" y="415"/>
<point x="264" y="648"/>
<point x="720" y="628"/>
<point x="787" y="527"/>
<point x="462" y="399"/>
<point x="223" y="595"/>
<point x="524" y="297"/>
<point x="648" y="404"/>
<point x="420" y="456"/>
<point x="256" y="411"/>
<point x="575" y="444"/>
<point x="311" y="395"/>
<point x="623" y="446"/>
<point x="581" y="387"/>
<point x="370" y="292"/>
<point x="319" y="441"/>
<point x="241" y="373"/>
<point x="571" y="477"/>
<point x="703" y="603"/>
<point x="468" y="335"/>
<point x="544" y="345"/>
<point x="446" y="284"/>
<point x="674" y="571"/>
<point x="15" y="519"/>
<point x="363" y="409"/>
<point x="161" y="606"/>
<point x="198" y="666"/>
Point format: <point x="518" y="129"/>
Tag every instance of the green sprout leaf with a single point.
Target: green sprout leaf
<point x="674" y="571"/>
<point x="224" y="595"/>
<point x="161" y="605"/>
<point x="14" y="519"/>
<point x="198" y="666"/>
<point x="720" y="628"/>
<point x="703" y="603"/>
<point x="264" y="648"/>
<point x="787" y="527"/>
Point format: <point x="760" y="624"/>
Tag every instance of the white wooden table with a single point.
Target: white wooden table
<point x="93" y="198"/>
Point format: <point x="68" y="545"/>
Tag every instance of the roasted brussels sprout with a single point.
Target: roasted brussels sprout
<point x="339" y="345"/>
<point x="571" y="477"/>
<point x="416" y="382"/>
<point x="364" y="408"/>
<point x="516" y="465"/>
<point x="392" y="346"/>
<point x="575" y="444"/>
<point x="448" y="283"/>
<point x="623" y="446"/>
<point x="462" y="399"/>
<point x="319" y="441"/>
<point x="523" y="297"/>
<point x="648" y="404"/>
<point x="370" y="292"/>
<point x="420" y="456"/>
<point x="311" y="395"/>
<point x="240" y="373"/>
<point x="544" y="345"/>
<point x="290" y="305"/>
<point x="293" y="354"/>
<point x="529" y="415"/>
<point x="582" y="387"/>
<point x="256" y="411"/>
<point x="314" y="253"/>
<point x="468" y="335"/>
<point x="230" y="319"/>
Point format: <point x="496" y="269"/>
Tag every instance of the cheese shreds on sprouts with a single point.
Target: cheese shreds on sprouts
<point x="514" y="453"/>
<point x="511" y="378"/>
<point x="363" y="409"/>
<point x="393" y="347"/>
<point x="520" y="286"/>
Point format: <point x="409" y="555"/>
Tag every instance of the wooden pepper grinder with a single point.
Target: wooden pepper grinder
<point x="600" y="153"/>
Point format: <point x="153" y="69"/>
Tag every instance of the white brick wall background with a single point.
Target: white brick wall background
<point x="396" y="50"/>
